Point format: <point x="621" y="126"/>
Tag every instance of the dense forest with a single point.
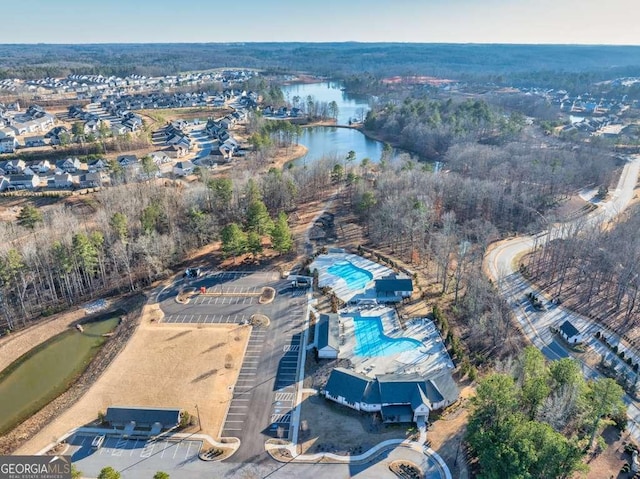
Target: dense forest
<point x="533" y="419"/>
<point x="130" y="234"/>
<point x="545" y="65"/>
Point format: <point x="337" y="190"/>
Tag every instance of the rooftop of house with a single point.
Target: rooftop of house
<point x="568" y="329"/>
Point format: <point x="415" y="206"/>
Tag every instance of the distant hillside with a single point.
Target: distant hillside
<point x="462" y="61"/>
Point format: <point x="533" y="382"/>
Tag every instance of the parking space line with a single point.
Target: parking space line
<point x="176" y="451"/>
<point x="148" y="450"/>
<point x="135" y="446"/>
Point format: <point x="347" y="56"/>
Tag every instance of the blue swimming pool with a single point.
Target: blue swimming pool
<point x="371" y="341"/>
<point x="356" y="278"/>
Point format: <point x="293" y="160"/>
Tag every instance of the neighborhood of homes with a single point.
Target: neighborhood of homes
<point x="592" y="114"/>
<point x="84" y="85"/>
<point x="174" y="140"/>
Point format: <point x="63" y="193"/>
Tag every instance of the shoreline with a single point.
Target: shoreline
<point x="282" y="160"/>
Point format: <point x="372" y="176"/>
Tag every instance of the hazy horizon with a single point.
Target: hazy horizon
<point x="515" y="22"/>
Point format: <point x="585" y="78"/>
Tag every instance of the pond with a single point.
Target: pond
<point x="45" y="372"/>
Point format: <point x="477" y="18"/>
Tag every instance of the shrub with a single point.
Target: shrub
<point x="185" y="419"/>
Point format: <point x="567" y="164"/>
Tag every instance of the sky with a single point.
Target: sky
<point x="615" y="22"/>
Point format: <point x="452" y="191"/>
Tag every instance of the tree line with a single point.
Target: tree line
<point x="594" y="270"/>
<point x="126" y="236"/>
<point x="430" y="126"/>
<point x="534" y="419"/>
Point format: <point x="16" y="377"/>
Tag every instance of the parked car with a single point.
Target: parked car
<point x="97" y="442"/>
<point x="192" y="273"/>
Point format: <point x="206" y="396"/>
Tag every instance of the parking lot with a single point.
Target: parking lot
<point x="135" y="456"/>
<point x="265" y="392"/>
<point x="227" y="299"/>
<point x="208" y="318"/>
<point x="247" y="381"/>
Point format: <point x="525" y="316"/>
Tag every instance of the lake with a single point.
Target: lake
<point x="327" y="141"/>
<point x="44" y="373"/>
<point x="349" y="106"/>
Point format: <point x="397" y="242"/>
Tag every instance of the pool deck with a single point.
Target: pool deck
<point x="339" y="286"/>
<point x="430" y="359"/>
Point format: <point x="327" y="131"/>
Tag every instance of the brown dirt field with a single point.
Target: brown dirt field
<point x="20" y="342"/>
<point x="162" y="366"/>
<point x="610" y="461"/>
<point x="334" y="428"/>
<point x="446" y="434"/>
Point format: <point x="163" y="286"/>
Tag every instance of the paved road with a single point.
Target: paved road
<point x="265" y="392"/>
<point x="204" y="142"/>
<point x="500" y="264"/>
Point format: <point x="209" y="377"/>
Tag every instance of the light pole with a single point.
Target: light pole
<point x="199" y="421"/>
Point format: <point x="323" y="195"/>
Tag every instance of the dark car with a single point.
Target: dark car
<point x="192" y="273"/>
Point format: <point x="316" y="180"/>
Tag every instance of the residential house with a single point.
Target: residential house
<point x="4" y="183"/>
<point x="91" y="126"/>
<point x="391" y="289"/>
<point x="176" y="151"/>
<point x="34" y="141"/>
<point x="8" y="144"/>
<point x="133" y="122"/>
<point x="570" y="333"/>
<point x="183" y="168"/>
<point x="118" y="129"/>
<point x="54" y="134"/>
<point x="4" y="132"/>
<point x="14" y="167"/>
<point x="328" y="334"/>
<point x="98" y="164"/>
<point x="69" y="165"/>
<point x="160" y="157"/>
<point x="127" y="160"/>
<point x="90" y="180"/>
<point x="22" y="182"/>
<point x="62" y="180"/>
<point x="42" y="166"/>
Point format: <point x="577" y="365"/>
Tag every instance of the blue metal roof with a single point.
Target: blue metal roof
<point x="394" y="284"/>
<point x="328" y="331"/>
<point x="569" y="329"/>
<point x="348" y="384"/>
<point x="168" y="417"/>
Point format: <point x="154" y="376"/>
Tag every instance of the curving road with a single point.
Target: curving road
<point x="501" y="265"/>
